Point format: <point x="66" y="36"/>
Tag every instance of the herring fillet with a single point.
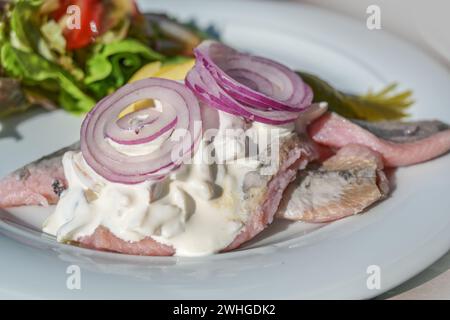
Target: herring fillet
<point x="41" y="183"/>
<point x="38" y="183"/>
<point x="344" y="185"/>
<point x="105" y="240"/>
<point x="261" y="202"/>
<point x="335" y="131"/>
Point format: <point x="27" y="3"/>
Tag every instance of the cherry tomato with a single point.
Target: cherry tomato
<point x="91" y="12"/>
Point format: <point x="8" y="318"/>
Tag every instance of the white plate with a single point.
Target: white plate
<point x="402" y="235"/>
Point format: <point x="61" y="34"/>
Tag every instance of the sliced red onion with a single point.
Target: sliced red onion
<point x="207" y="90"/>
<point x="276" y="86"/>
<point x="180" y="111"/>
<point x="256" y="88"/>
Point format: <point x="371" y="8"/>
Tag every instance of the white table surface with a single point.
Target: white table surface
<point x="426" y="24"/>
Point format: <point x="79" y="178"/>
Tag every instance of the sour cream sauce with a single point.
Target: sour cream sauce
<point x="196" y="209"/>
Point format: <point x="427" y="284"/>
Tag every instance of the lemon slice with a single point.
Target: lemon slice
<point x="171" y="71"/>
<point x="175" y="71"/>
<point x="146" y="71"/>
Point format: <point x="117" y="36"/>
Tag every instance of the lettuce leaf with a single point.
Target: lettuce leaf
<point x="24" y="23"/>
<point x="35" y="70"/>
<point x="26" y="56"/>
<point x="53" y="33"/>
<point x="112" y="65"/>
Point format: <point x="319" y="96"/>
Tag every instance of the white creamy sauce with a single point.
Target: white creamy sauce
<point x="196" y="210"/>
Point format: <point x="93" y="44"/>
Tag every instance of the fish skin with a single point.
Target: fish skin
<point x="397" y="131"/>
<point x="343" y="185"/>
<point x="38" y="183"/>
<point x="335" y="131"/>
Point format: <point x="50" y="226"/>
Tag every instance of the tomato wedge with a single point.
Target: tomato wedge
<point x="91" y="12"/>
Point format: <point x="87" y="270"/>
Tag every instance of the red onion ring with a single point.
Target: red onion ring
<point x="253" y="81"/>
<point x="180" y="111"/>
<point x="200" y="81"/>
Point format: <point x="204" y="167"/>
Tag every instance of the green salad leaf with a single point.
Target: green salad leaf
<point x="35" y="70"/>
<point x="24" y="33"/>
<point x="113" y="65"/>
<point x="53" y="33"/>
<point x="176" y="60"/>
<point x="26" y="56"/>
<point x="383" y="105"/>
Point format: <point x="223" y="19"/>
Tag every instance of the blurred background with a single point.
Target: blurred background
<point x="423" y="22"/>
